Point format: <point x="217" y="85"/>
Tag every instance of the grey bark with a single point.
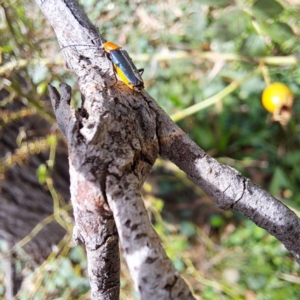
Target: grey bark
<point x="94" y="223"/>
<point x="114" y="140"/>
<point x="112" y="147"/>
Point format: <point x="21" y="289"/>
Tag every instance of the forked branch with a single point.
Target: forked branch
<point x="114" y="140"/>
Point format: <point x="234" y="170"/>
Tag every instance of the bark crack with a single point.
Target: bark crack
<point x="243" y="192"/>
<point x="170" y="286"/>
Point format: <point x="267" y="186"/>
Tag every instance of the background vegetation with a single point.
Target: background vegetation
<point x="218" y="54"/>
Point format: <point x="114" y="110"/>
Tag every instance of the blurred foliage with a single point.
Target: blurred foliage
<point x="218" y="54"/>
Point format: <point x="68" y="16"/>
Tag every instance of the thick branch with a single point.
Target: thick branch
<point x="228" y="189"/>
<point x="113" y="142"/>
<point x="112" y="147"/>
<point x="94" y="223"/>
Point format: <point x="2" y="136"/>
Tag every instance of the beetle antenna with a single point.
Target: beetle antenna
<point x="75" y="45"/>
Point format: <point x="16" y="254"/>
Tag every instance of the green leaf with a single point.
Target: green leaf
<point x="229" y="25"/>
<point x="254" y="84"/>
<point x="38" y="73"/>
<point x="41" y="173"/>
<point x="280" y="32"/>
<point x="187" y="229"/>
<point x="216" y="221"/>
<point x="254" y="45"/>
<point x="266" y="9"/>
<point x="256" y="281"/>
<point x="158" y="204"/>
<point x="2" y="289"/>
<point x="178" y="264"/>
<point x="77" y="254"/>
<point x="42" y="87"/>
<point x="279" y="181"/>
<point x="216" y="3"/>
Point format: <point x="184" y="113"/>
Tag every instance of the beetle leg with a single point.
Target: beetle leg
<point x="141" y="71"/>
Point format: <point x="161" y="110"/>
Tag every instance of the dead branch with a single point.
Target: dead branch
<point x="114" y="139"/>
<point x="112" y="146"/>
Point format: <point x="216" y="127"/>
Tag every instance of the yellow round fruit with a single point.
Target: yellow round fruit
<point x="275" y="96"/>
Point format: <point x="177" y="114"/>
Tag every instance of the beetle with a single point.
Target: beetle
<point x="123" y="65"/>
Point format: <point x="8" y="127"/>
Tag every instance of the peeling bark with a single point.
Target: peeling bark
<point x="114" y="139"/>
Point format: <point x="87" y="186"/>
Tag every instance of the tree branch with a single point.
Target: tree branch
<point x="114" y="140"/>
<point x="94" y="223"/>
<point x="228" y="189"/>
<point x="112" y="147"/>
